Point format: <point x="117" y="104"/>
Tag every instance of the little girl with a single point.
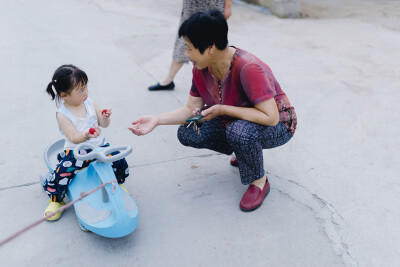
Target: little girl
<point x="75" y="117"/>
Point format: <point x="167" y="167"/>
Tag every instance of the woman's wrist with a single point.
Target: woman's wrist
<point x="158" y="119"/>
<point x="222" y="110"/>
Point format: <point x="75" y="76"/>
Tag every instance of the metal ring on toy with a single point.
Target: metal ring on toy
<point x="100" y="153"/>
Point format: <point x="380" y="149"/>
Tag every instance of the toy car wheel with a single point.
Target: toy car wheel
<point x="82" y="227"/>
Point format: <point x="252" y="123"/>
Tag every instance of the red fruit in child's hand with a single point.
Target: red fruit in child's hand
<point x="104" y="111"/>
<point x="92" y="130"/>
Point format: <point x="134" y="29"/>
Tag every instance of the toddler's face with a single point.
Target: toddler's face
<point x="78" y="95"/>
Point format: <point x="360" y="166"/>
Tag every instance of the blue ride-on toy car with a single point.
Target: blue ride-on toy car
<point x="109" y="211"/>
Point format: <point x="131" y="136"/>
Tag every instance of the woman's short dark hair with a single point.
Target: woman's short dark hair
<point x="205" y="29"/>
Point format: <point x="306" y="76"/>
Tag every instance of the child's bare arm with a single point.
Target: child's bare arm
<point x="71" y="133"/>
<point x="103" y="117"/>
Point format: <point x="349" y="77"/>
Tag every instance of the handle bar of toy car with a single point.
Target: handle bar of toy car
<point x="101" y="153"/>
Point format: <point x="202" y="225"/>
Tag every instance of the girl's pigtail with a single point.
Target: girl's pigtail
<point x="50" y="91"/>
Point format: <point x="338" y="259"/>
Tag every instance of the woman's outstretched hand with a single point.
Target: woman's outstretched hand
<point x="143" y="125"/>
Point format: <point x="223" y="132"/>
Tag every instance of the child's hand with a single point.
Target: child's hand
<point x="92" y="132"/>
<point x="106" y="113"/>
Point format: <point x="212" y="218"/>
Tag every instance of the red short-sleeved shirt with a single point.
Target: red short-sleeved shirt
<point x="248" y="83"/>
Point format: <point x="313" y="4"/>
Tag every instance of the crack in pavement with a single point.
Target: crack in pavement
<point x="108" y="11"/>
<point x="334" y="227"/>
<point x="140" y="165"/>
<point x="16" y="186"/>
<point x="331" y="223"/>
<point x="177" y="159"/>
<point x="329" y="220"/>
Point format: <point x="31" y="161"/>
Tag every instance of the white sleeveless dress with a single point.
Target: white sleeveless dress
<point x="82" y="124"/>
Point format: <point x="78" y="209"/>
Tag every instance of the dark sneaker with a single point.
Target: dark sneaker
<point x="254" y="197"/>
<point x="158" y="87"/>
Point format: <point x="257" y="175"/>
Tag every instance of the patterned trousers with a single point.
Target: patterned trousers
<point x="246" y="139"/>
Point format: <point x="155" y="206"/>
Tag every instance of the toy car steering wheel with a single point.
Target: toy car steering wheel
<point x="100" y="153"/>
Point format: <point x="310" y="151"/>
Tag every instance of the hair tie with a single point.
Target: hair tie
<point x="53" y="85"/>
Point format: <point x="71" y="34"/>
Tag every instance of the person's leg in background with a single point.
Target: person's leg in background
<point x="178" y="59"/>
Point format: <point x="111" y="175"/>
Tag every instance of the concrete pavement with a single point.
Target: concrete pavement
<point x="334" y="187"/>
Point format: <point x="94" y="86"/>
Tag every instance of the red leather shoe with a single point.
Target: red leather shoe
<point x="254" y="197"/>
<point x="234" y="161"/>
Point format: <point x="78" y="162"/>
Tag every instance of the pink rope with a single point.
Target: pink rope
<point x="82" y="195"/>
